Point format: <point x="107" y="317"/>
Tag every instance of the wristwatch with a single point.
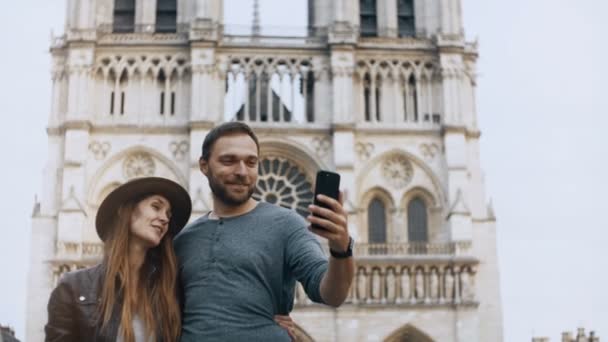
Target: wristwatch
<point x="346" y="254"/>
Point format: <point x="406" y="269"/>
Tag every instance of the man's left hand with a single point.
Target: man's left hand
<point x="333" y="222"/>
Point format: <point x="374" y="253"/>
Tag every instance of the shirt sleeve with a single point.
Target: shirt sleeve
<point x="306" y="261"/>
<point x="61" y="323"/>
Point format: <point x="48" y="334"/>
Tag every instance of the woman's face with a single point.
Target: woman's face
<point x="150" y="220"/>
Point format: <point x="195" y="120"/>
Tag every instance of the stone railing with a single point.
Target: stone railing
<point x="409" y="282"/>
<point x="72" y="256"/>
<point x="272" y="35"/>
<point x="79" y="251"/>
<point x="412" y="248"/>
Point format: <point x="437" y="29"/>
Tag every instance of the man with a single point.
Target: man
<point x="239" y="263"/>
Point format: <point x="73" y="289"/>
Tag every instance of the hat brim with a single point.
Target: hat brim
<point x="181" y="204"/>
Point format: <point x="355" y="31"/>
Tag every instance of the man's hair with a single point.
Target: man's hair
<point x="228" y="128"/>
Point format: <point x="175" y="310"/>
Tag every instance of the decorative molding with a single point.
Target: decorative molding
<point x="179" y="149"/>
<point x="459" y="207"/>
<point x="71" y="203"/>
<point x="322" y="145"/>
<point x="139" y="164"/>
<point x="364" y="150"/>
<point x="397" y="170"/>
<point x="99" y="149"/>
<point x="199" y="204"/>
<point x="429" y="151"/>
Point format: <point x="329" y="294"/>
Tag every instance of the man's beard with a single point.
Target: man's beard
<point x="221" y="192"/>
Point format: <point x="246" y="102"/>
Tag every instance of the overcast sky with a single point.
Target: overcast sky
<point x="543" y="117"/>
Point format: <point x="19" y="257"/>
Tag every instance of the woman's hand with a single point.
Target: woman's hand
<point x="287" y="323"/>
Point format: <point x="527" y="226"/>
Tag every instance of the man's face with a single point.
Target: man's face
<point x="232" y="168"/>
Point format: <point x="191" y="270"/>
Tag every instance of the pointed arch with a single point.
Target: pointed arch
<point x="437" y="192"/>
<point x="377" y="204"/>
<point x="98" y="184"/>
<point x="408" y="333"/>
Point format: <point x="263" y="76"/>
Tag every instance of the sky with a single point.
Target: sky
<point x="541" y="111"/>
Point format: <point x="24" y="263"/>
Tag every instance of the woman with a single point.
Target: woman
<point x="130" y="296"/>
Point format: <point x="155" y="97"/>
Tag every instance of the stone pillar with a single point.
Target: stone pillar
<point x="320" y="16"/>
<point x="345" y="20"/>
<point x="387" y="18"/>
<point x="145" y="16"/>
<point x="208" y="18"/>
<point x="451" y="18"/>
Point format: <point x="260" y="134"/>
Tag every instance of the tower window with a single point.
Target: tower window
<point x="368" y="18"/>
<point x="376" y="221"/>
<point x="112" y="103"/>
<point x="172" y="103"/>
<point x="122" y="103"/>
<point x="417" y="224"/>
<point x="166" y="16"/>
<point x="162" y="103"/>
<point x="405" y="18"/>
<point x="124" y="16"/>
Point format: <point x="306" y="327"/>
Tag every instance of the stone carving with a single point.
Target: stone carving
<point x="138" y="164"/>
<point x="397" y="170"/>
<point x="321" y="146"/>
<point x="179" y="149"/>
<point x="364" y="150"/>
<point x="405" y="286"/>
<point x="391" y="288"/>
<point x="361" y="284"/>
<point x="419" y="284"/>
<point x="449" y="285"/>
<point x="466" y="282"/>
<point x="429" y="151"/>
<point x="198" y="201"/>
<point x="99" y="149"/>
<point x="376" y="285"/>
<point x="434" y="285"/>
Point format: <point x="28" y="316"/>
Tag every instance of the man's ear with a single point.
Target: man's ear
<point x="203" y="165"/>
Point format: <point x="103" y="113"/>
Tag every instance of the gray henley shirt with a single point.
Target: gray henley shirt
<point x="237" y="273"/>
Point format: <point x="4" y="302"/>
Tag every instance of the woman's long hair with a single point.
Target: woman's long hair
<point x="155" y="299"/>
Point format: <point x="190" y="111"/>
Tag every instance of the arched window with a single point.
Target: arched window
<point x="166" y="16"/>
<point x="124" y="16"/>
<point x="368" y="18"/>
<point x="405" y="18"/>
<point x="376" y="221"/>
<point x="417" y="222"/>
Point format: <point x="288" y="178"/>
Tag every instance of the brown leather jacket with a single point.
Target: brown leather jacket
<point x="73" y="309"/>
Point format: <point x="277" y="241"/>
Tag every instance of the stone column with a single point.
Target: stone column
<point x="387" y="18"/>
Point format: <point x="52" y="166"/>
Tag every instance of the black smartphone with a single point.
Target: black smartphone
<point x="327" y="183"/>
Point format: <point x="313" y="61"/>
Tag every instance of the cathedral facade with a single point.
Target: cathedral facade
<point x="381" y="91"/>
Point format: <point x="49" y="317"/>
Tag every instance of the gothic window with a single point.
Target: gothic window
<point x="283" y="183"/>
<point x="410" y="96"/>
<point x="405" y="18"/>
<point x="270" y="91"/>
<point x="376" y="221"/>
<point x="378" y="99"/>
<point x="417" y="221"/>
<point x="367" y="97"/>
<point x="368" y="18"/>
<point x="166" y="16"/>
<point x="117" y="95"/>
<point x="124" y="16"/>
<point x="167" y="94"/>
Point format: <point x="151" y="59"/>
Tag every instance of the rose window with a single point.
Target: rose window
<point x="283" y="183"/>
<point x="398" y="171"/>
<point x="138" y="165"/>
